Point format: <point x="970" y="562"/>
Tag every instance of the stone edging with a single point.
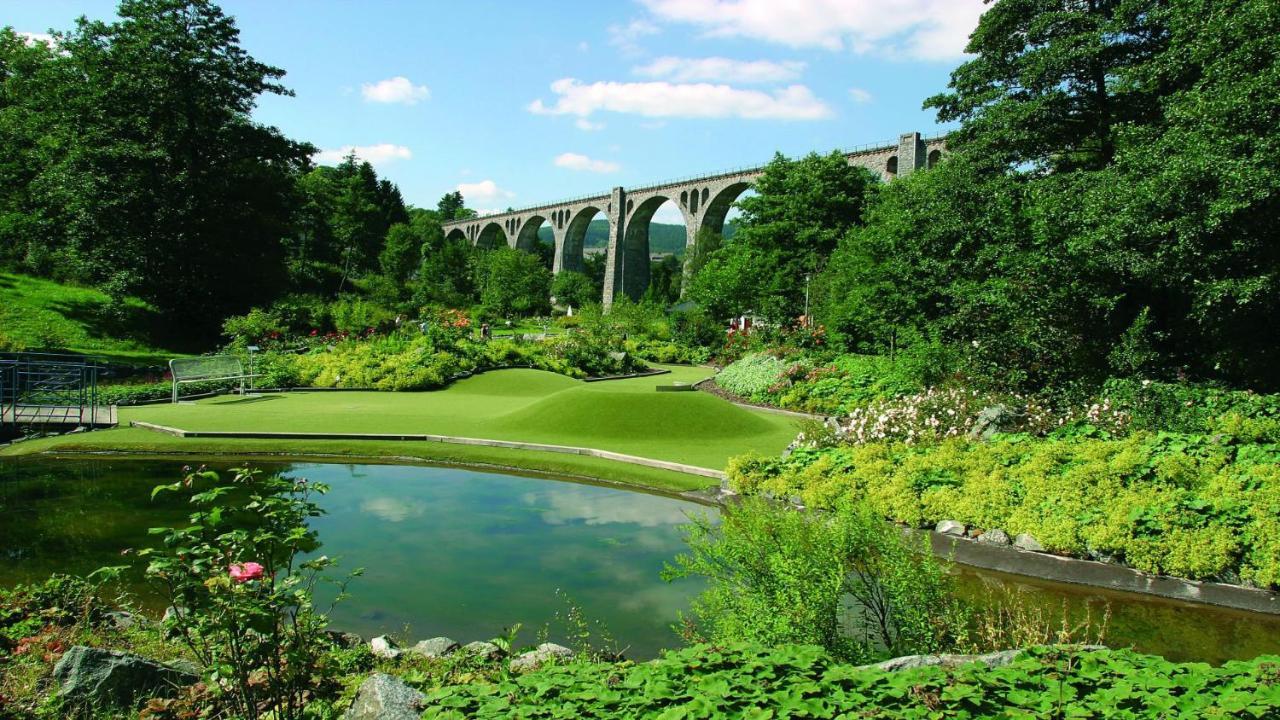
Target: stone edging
<point x="1078" y="571"/>
<point x="449" y="439"/>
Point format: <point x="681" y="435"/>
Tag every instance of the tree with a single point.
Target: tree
<point x="574" y="289"/>
<point x="451" y="206"/>
<point x="512" y="282"/>
<point x="152" y="170"/>
<point x="786" y="232"/>
<point x="1051" y="82"/>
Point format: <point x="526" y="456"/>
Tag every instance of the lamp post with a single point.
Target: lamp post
<point x="807" y="276"/>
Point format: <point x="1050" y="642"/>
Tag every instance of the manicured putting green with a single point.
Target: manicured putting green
<point x="627" y="416"/>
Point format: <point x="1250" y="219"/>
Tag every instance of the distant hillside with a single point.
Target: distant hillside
<point x="663" y="238"/>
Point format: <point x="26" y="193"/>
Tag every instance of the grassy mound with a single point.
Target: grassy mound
<point x="625" y="416"/>
<point x="609" y="415"/>
<point x="42" y="315"/>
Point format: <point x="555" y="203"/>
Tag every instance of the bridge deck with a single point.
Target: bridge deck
<point x="100" y="416"/>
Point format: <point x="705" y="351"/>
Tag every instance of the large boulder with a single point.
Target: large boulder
<point x="437" y="647"/>
<point x="383" y="697"/>
<point x="994" y="536"/>
<point x="102" y="678"/>
<point x="1027" y="542"/>
<point x="950" y="527"/>
<point x="482" y="650"/>
<point x="543" y="654"/>
<point x="384" y="647"/>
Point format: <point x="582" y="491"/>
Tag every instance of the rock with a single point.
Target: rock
<point x="1027" y="542"/>
<point x="993" y="419"/>
<point x="344" y="640"/>
<point x="994" y="536"/>
<point x="543" y="654"/>
<point x="950" y="527"/>
<point x="384" y="647"/>
<point x="173" y="612"/>
<point x="482" y="650"/>
<point x="909" y="662"/>
<point x="121" y="620"/>
<point x="435" y="647"/>
<point x="383" y="697"/>
<point x="100" y="678"/>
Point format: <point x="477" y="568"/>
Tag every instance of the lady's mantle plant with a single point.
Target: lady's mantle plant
<point x="241" y="590"/>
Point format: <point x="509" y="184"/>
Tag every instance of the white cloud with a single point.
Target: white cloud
<point x="35" y="37"/>
<point x="920" y="29"/>
<point x="719" y="69"/>
<point x="585" y="124"/>
<point x="860" y="96"/>
<point x="393" y="509"/>
<point x="485" y="191"/>
<point x="574" y="161"/>
<point x="380" y="154"/>
<point x="395" y="90"/>
<point x="693" y="100"/>
<point x="626" y="37"/>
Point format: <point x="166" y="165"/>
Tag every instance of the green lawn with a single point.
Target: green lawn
<point x="626" y="416"/>
<point x="43" y="315"/>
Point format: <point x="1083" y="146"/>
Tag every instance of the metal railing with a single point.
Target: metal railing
<point x="48" y="389"/>
<point x="863" y="149"/>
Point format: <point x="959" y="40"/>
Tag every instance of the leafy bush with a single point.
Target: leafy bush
<point x="1193" y="506"/>
<point x="669" y="351"/>
<point x="1184" y="407"/>
<point x="780" y="576"/>
<point x="243" y="590"/>
<point x="752" y="376"/>
<point x="743" y="680"/>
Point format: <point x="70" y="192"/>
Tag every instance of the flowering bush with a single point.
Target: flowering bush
<point x="752" y="376"/>
<point x="241" y="590"/>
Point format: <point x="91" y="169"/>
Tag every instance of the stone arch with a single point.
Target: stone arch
<point x="891" y="167"/>
<point x="635" y="258"/>
<point x="491" y="237"/>
<point x="570" y="251"/>
<point x="717" y="209"/>
<point x="527" y="234"/>
<point x="935" y="157"/>
<point x="456" y="233"/>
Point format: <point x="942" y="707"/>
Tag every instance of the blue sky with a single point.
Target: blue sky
<point x="521" y="102"/>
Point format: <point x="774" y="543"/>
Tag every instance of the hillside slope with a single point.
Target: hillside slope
<point x="41" y="315"/>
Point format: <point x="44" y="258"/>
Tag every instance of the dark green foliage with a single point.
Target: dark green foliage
<point x="512" y="282"/>
<point x="742" y="680"/>
<point x="786" y="233"/>
<point x="574" y="289"/>
<point x="150" y="177"/>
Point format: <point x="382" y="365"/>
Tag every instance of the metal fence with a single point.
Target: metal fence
<point x="49" y="389"/>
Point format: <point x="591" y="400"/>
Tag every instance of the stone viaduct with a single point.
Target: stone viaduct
<point x="703" y="201"/>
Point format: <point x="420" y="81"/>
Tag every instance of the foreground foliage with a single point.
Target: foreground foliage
<point x="776" y="576"/>
<point x="740" y="680"/>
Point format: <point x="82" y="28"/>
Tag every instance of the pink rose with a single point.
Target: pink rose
<point x="243" y="573"/>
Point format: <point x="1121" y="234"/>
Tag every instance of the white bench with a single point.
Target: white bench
<point x="207" y="369"/>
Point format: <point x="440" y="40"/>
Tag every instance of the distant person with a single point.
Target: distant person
<point x="485" y="332"/>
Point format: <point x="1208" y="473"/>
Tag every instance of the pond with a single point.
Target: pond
<point x="463" y="553"/>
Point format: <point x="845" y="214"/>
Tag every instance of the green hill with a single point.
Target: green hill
<point x="663" y="237"/>
<point x="43" y="315"/>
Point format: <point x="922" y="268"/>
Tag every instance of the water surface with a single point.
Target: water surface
<point x="464" y="553"/>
